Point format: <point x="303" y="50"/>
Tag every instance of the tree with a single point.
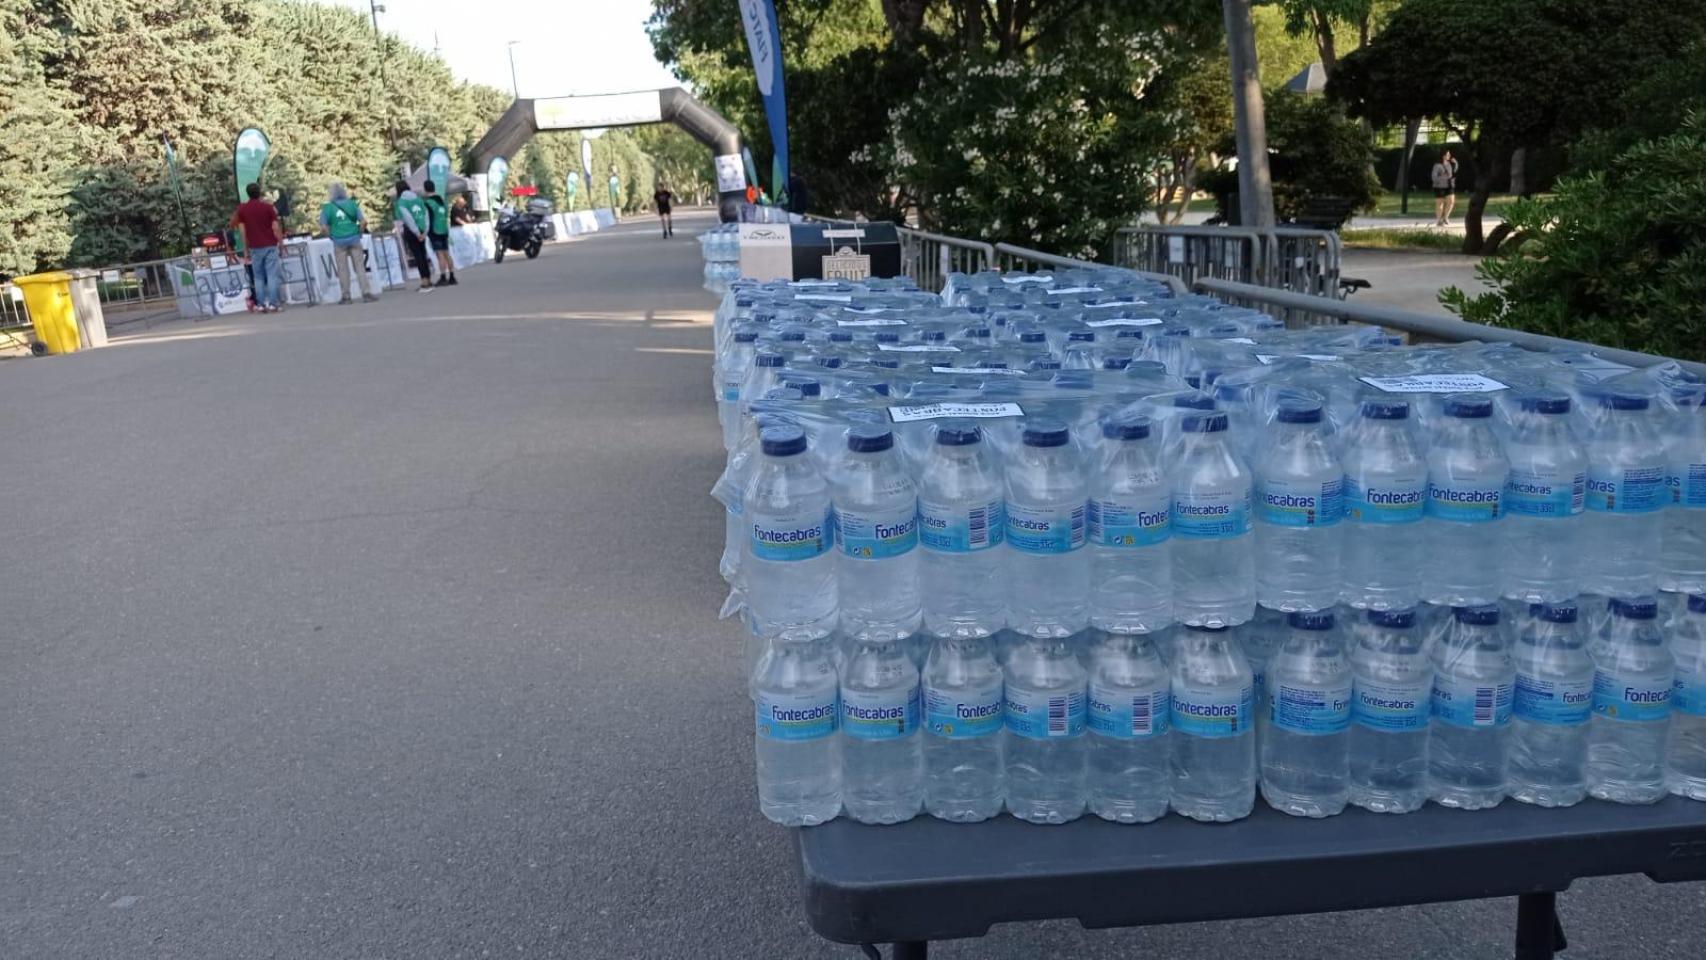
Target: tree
<point x="1617" y="256"/>
<point x="37" y="150"/>
<point x="1316" y="18"/>
<point x="1548" y="81"/>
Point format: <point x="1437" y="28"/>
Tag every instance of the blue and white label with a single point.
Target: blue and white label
<point x="1211" y="514"/>
<point x="803" y="716"/>
<point x="1638" y="701"/>
<point x="1213" y="713"/>
<point x="1464" y="502"/>
<point x="1045" y="714"/>
<point x="1545" y="494"/>
<point x="1688" y="692"/>
<point x="792" y="538"/>
<point x="1628" y="490"/>
<point x="951" y="528"/>
<point x="1126" y="714"/>
<point x="877" y="535"/>
<point x="879" y="715"/>
<point x="1392" y="706"/>
<point x="1386" y="501"/>
<point x="1687" y="483"/>
<point x="1045" y="530"/>
<point x="1290" y="503"/>
<point x="1554" y="703"/>
<point x="964" y="714"/>
<point x="1310" y="711"/>
<point x="1469" y="703"/>
<point x="1128" y="523"/>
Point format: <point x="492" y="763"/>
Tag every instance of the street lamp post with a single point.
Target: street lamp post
<point x="514" y="85"/>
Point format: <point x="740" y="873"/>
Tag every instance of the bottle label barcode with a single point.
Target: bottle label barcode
<point x="1045" y="530"/>
<point x="1468" y="703"/>
<point x="953" y="528"/>
<point x="1043" y="715"/>
<point x="1122" y="714"/>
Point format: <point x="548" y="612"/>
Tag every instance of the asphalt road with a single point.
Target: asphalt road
<point x="389" y="632"/>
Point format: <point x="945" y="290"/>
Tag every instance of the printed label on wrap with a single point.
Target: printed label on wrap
<point x="1125" y="714"/>
<point x="1533" y="493"/>
<point x="1213" y="713"/>
<point x="1630" y="490"/>
<point x="966" y="714"/>
<point x="1211" y="514"/>
<point x="949" y="528"/>
<point x="1436" y="383"/>
<point x="938" y="411"/>
<point x="1392" y="706"/>
<point x="1047" y="530"/>
<point x="1310" y="711"/>
<point x="1468" y="703"/>
<point x="804" y="716"/>
<point x="1553" y="703"/>
<point x="1044" y="715"/>
<point x="1285" y="503"/>
<point x="1638" y="701"/>
<point x="877" y="535"/>
<point x="917" y="348"/>
<point x="1386" y="501"/>
<point x="874" y="715"/>
<point x="1125" y="322"/>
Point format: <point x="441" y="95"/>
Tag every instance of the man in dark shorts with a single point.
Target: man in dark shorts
<point x="412" y="219"/>
<point x="438" y="233"/>
<point x="664" y="199"/>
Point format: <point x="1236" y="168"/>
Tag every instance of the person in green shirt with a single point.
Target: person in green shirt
<point x="342" y="218"/>
<point x="411" y="216"/>
<point x="438" y="233"/>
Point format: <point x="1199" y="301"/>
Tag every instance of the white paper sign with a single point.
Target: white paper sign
<point x="1125" y="322"/>
<point x="1175" y="249"/>
<point x="1116" y="304"/>
<point x="937" y="411"/>
<point x="1436" y="383"/>
<point x="1027" y="278"/>
<point x="826" y="297"/>
<point x="1066" y="290"/>
<point x="994" y="371"/>
<point x="917" y="348"/>
<point x="731" y="174"/>
<point x="1238" y="340"/>
<point x="873" y="322"/>
<point x="1271" y="357"/>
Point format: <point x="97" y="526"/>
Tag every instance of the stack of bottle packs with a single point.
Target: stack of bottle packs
<point x="1057" y="543"/>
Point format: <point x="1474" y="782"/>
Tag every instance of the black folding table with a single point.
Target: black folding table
<point x="928" y="880"/>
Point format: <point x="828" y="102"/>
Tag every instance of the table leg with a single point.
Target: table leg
<point x="912" y="950"/>
<point x="1539" y="932"/>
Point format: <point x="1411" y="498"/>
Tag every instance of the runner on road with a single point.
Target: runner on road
<point x="663" y="198"/>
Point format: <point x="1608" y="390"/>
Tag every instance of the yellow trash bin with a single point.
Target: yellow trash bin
<point x="48" y="297"/>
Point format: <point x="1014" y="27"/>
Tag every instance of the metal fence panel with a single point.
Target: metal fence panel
<point x="928" y="258"/>
<point x="1192" y="253"/>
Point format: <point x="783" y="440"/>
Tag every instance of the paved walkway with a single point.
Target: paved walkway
<point x="388" y="632"/>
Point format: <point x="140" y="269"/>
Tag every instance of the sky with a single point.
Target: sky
<point x="563" y="46"/>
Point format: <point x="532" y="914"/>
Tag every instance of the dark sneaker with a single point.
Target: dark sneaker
<point x="369" y="298"/>
<point x="454" y="281"/>
<point x="343" y="301"/>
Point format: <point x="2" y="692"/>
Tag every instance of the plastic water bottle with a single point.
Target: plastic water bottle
<point x="764" y="375"/>
<point x="1634" y="674"/>
<point x="1554" y="699"/>
<point x="1682" y="561"/>
<point x="1259" y="639"/>
<point x="799" y="757"/>
<point x="1390" y="707"/>
<point x="876" y="514"/>
<point x="964" y="778"/>
<point x="1467" y="473"/>
<point x="1046" y="687"/>
<point x="1299" y="502"/>
<point x="1214" y="742"/>
<point x="1474" y="682"/>
<point x="1543" y="503"/>
<point x="1129" y="518"/>
<point x="1626" y="491"/>
<point x="732" y="370"/>
<point x="1130" y="707"/>
<point x="1214" y="577"/>
<point x="962" y="520"/>
<point x="1685" y="771"/>
<point x="1306" y="751"/>
<point x="1386" y="493"/>
<point x="1048" y="570"/>
<point x="788" y="568"/>
<point x="882" y="766"/>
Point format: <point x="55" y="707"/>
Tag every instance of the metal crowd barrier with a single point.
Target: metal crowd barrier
<point x="1303" y="261"/>
<point x="1192" y="253"/>
<point x="13" y="313"/>
<point x="1009" y="258"/>
<point x="928" y="258"/>
<point x="1420" y="327"/>
<point x="136" y="284"/>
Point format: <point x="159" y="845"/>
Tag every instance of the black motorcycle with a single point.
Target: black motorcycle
<point x="526" y="232"/>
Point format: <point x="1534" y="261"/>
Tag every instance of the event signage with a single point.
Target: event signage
<point x="764" y="41"/>
<point x="497" y="173"/>
<point x="438" y="170"/>
<point x="602" y="110"/>
<point x="248" y="156"/>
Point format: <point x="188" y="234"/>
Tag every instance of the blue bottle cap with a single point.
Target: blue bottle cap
<point x="746" y="336"/>
<point x="1310" y="620"/>
<point x="769" y="360"/>
<point x="1204" y="423"/>
<point x="1635" y="608"/>
<point x="1468" y="408"/>
<point x="1697" y="603"/>
<point x="1081" y="336"/>
<point x="1207" y="627"/>
<point x="1386" y="409"/>
<point x="1116" y="363"/>
<point x="1126" y="428"/>
<point x="782" y="440"/>
<point x="870" y="437"/>
<point x="1193" y="401"/>
<point x="830" y="362"/>
<point x="1482" y="615"/>
<point x="931" y="336"/>
<point x="1393" y="619"/>
<point x="886" y="336"/>
<point x="1550" y="404"/>
<point x="840" y="336"/>
<point x="1032" y="336"/>
<point x="1624" y="401"/>
<point x="958" y="433"/>
<point x="1045" y="433"/>
<point x="1566" y="612"/>
<point x="807" y="386"/>
<point x="1298" y="410"/>
<point x="1045" y="364"/>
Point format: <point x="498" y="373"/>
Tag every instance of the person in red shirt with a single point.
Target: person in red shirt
<point x="262" y="233"/>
